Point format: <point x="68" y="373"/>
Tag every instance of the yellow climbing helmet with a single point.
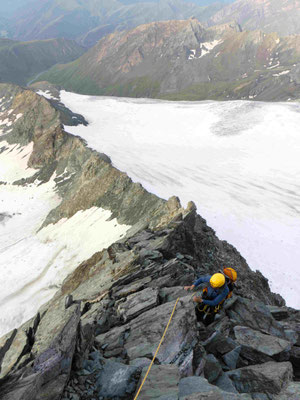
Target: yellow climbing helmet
<point x="217" y="280"/>
<point x="231" y="273"/>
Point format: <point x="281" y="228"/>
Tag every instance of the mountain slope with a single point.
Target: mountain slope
<point x="89" y="21"/>
<point x="182" y="60"/>
<point x="96" y="335"/>
<point x="281" y="16"/>
<point x="20" y="61"/>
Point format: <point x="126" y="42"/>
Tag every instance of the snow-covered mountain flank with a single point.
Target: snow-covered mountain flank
<point x="117" y="257"/>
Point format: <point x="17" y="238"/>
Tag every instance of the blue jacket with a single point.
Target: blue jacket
<point x="215" y="296"/>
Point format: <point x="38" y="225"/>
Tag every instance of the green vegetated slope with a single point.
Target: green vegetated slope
<point x="281" y="16"/>
<point x="182" y="60"/>
<point x="20" y="61"/>
<point x="88" y="21"/>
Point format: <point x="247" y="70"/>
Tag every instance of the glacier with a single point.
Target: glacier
<point x="237" y="160"/>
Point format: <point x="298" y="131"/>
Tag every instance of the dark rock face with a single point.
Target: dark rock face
<point x="268" y="378"/>
<point x="96" y="338"/>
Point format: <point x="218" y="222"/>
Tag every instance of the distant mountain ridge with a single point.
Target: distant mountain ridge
<point x="281" y="16"/>
<point x="21" y="61"/>
<point x="88" y="21"/>
<point x="183" y="60"/>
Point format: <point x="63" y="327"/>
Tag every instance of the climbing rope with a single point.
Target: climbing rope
<point x="157" y="350"/>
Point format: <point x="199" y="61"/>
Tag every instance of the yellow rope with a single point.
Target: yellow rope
<point x="157" y="350"/>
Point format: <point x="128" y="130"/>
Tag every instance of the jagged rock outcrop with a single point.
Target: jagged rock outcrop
<point x="117" y="335"/>
<point x="98" y="334"/>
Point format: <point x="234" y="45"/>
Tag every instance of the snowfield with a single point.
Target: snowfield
<point x="238" y="161"/>
<point x="35" y="262"/>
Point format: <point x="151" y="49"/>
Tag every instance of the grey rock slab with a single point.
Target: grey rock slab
<point x="53" y="389"/>
<point x="147" y="330"/>
<point x="116" y="380"/>
<point x="270" y="377"/>
<point x="132" y="288"/>
<point x="196" y="387"/>
<point x="257" y="316"/>
<point x="56" y="327"/>
<point x="216" y="395"/>
<point x="55" y="342"/>
<point x="112" y="340"/>
<point x="219" y="344"/>
<point x="212" y="368"/>
<point x="291" y="392"/>
<point x="225" y="383"/>
<point x="140" y="362"/>
<point x="232" y="357"/>
<point x="171" y="293"/>
<point x="194" y="384"/>
<point x="162" y="381"/>
<point x="266" y="344"/>
<point x="279" y="313"/>
<point x="16" y="344"/>
<point x="24" y="389"/>
<point x="137" y="303"/>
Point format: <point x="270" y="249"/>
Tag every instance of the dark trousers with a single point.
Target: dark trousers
<point x="206" y="317"/>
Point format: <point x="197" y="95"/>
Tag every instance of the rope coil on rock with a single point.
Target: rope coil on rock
<point x="157" y="350"/>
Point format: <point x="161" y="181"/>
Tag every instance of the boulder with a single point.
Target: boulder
<point x="255" y="346"/>
<point x="131" y="288"/>
<point x="291" y="392"/>
<point x="140" y="362"/>
<point x="268" y="378"/>
<point x="212" y="368"/>
<point x="194" y="384"/>
<point x="225" y="383"/>
<point x="22" y="389"/>
<point x="196" y="387"/>
<point x="112" y="342"/>
<point x="137" y="303"/>
<point x="215" y="395"/>
<point x="167" y="294"/>
<point x="279" y="313"/>
<point x="219" y="344"/>
<point x="147" y="330"/>
<point x="161" y="383"/>
<point x="19" y="343"/>
<point x="257" y="316"/>
<point x="55" y="342"/>
<point x="116" y="380"/>
<point x="295" y="360"/>
<point x="231" y="358"/>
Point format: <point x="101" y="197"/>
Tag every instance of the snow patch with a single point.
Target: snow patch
<point x="35" y="263"/>
<point x="207" y="47"/>
<point x="274" y="66"/>
<point x="282" y="73"/>
<point x="46" y="94"/>
<point x="14" y="162"/>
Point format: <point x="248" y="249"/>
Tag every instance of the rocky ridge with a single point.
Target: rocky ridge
<point x="96" y="19"/>
<point x="182" y="60"/>
<point x="95" y="338"/>
<point x="281" y="16"/>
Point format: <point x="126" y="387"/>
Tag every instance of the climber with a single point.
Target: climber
<point x="212" y="298"/>
<point x="231" y="277"/>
